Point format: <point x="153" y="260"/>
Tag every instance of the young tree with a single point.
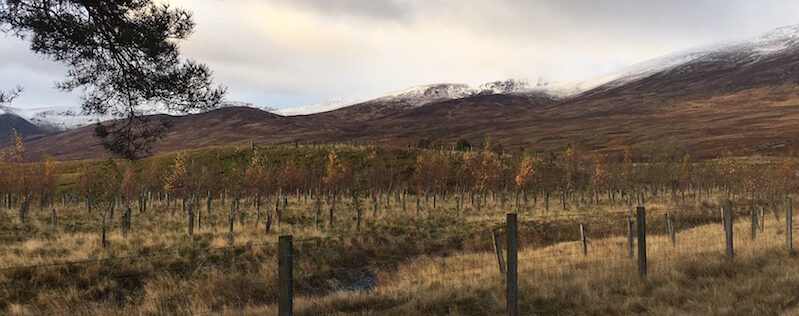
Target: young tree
<point x="47" y="185"/>
<point x="488" y="173"/>
<point x="729" y="172"/>
<point x="525" y="176"/>
<point x="335" y="179"/>
<point x="153" y="178"/>
<point x="627" y="177"/>
<point x="423" y="173"/>
<point x="100" y="184"/>
<point x="686" y="175"/>
<point x="122" y="55"/>
<point x="788" y="171"/>
<point x="442" y="170"/>
<point x="570" y="174"/>
<point x="598" y="177"/>
<point x="129" y="184"/>
<point x="255" y="180"/>
<point x="177" y="181"/>
<point x="17" y="153"/>
<point x="551" y="177"/>
<point x="336" y="175"/>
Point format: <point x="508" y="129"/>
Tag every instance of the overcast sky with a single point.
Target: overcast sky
<point x="284" y="53"/>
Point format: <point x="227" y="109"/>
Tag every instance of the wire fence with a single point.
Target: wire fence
<point x="555" y="248"/>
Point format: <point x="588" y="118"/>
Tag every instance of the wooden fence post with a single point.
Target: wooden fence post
<point x="673" y="231"/>
<point x="582" y="238"/>
<point x="789" y="224"/>
<point x="55" y="221"/>
<point x="277" y="210"/>
<point x="641" y="242"/>
<point x="285" y="276"/>
<point x="404" y="193"/>
<point x="498" y="251"/>
<point x="754" y="223"/>
<point x="417" y="204"/>
<point x="102" y="233"/>
<point x="762" y="219"/>
<point x="513" y="247"/>
<point x="358" y="212"/>
<point x="318" y="216"/>
<point x="667" y="221"/>
<point x="631" y="236"/>
<point x="728" y="224"/>
<point x="191" y="220"/>
<point x="231" y="219"/>
<point x="332" y="211"/>
<point x="723" y="219"/>
<point x="125" y="223"/>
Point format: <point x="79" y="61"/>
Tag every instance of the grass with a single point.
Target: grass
<point x="693" y="277"/>
<point x="432" y="264"/>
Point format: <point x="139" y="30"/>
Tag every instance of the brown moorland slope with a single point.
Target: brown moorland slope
<point x="762" y="120"/>
<point x="737" y="99"/>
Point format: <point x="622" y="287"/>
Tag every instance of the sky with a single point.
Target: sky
<point x="286" y="53"/>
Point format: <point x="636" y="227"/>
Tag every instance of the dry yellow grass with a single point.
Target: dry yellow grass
<point x="434" y="264"/>
<point x="559" y="279"/>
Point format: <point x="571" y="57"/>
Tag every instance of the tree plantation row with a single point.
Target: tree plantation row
<point x="264" y="175"/>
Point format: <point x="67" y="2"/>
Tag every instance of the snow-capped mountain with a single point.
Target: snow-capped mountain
<point x="734" y="53"/>
<point x="779" y="42"/>
<point x="708" y="99"/>
<point x="421" y="95"/>
<point x="318" y="107"/>
<point x="61" y="119"/>
<point x="54" y="119"/>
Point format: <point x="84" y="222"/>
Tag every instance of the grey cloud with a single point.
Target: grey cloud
<point x="708" y="19"/>
<point x="397" y="10"/>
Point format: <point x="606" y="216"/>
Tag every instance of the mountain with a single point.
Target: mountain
<point x="421" y="95"/>
<point x="62" y="119"/>
<point x="742" y="96"/>
<point x="51" y="120"/>
<point x="10" y="122"/>
<point x="768" y="59"/>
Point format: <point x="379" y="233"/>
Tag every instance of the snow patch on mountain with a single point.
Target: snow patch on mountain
<point x="775" y="42"/>
<point x="227" y="104"/>
<point x="421" y="95"/>
<point x="318" y="107"/>
<point x="54" y="119"/>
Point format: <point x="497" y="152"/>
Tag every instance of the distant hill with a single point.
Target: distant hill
<point x="9" y="122"/>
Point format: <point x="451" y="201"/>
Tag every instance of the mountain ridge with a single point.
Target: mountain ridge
<point x="757" y="80"/>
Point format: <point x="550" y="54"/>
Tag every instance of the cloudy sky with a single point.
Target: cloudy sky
<point x="284" y="53"/>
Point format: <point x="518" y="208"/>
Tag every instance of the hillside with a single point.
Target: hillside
<point x="10" y="122"/>
<point x="741" y="96"/>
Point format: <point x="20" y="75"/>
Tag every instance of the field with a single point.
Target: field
<point x="412" y="247"/>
